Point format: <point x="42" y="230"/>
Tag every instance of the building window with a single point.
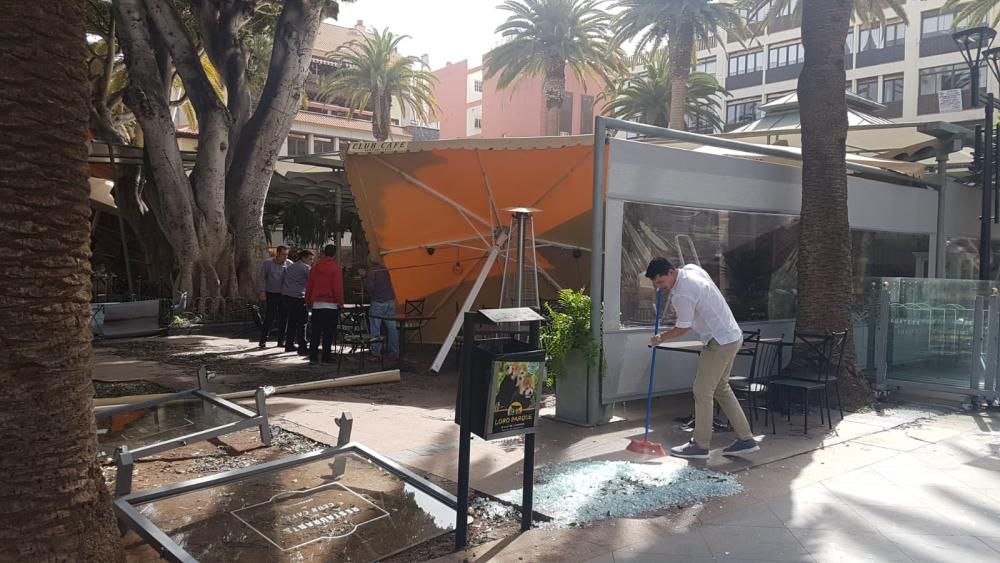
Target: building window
<point x="477" y="85"/>
<point x="933" y="23"/>
<point x="870" y="39"/>
<point x="849" y="45"/>
<point x="947" y="77"/>
<point x="892" y="89"/>
<point x="699" y="123"/>
<point x="868" y="88"/>
<point x="706" y="65"/>
<point x="785" y="55"/>
<point x="745" y="63"/>
<point x="742" y="111"/>
<point x="323" y="145"/>
<point x="477" y="123"/>
<point x="895" y="35"/>
<point x="586" y="114"/>
<point x="297" y="145"/>
<point x="848" y="86"/>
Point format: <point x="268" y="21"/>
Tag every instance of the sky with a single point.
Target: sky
<point x="447" y="30"/>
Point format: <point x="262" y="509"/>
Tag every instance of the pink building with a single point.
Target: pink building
<point x="473" y="107"/>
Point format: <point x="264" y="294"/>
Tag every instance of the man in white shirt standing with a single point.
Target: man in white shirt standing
<point x="701" y="307"/>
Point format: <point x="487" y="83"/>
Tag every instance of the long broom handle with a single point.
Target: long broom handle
<point x="652" y="366"/>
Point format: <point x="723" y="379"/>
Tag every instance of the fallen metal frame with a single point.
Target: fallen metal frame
<point x="129" y="515"/>
<point x="125" y="458"/>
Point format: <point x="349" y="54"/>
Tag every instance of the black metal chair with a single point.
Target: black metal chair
<point x="415" y="309"/>
<point x="815" y="358"/>
<point x="765" y="365"/>
<point x="751" y="345"/>
<point x="353" y="335"/>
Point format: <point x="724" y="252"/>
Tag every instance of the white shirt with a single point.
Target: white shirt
<point x="701" y="307"/>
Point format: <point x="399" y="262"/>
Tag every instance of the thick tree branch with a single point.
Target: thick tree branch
<point x="168" y="22"/>
<point x="146" y="97"/>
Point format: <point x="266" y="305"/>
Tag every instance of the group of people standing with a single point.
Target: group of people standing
<point x="291" y="290"/>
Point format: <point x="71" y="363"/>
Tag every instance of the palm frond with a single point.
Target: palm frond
<point x="646" y="96"/>
<point x="973" y="13"/>
<point x="548" y="35"/>
<point x="371" y="71"/>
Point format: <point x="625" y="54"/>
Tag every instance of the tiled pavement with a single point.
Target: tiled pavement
<point x="924" y="492"/>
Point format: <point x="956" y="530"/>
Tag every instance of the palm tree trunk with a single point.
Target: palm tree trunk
<point x="824" y="265"/>
<point x="53" y="505"/>
<point x="681" y="47"/>
<point x="553" y="90"/>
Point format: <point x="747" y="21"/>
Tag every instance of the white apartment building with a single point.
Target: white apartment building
<point x="900" y="65"/>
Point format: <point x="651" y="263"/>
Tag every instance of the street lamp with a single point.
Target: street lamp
<point x="974" y="44"/>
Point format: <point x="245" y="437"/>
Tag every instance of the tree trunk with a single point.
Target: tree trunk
<point x="380" y="115"/>
<point x="213" y="216"/>
<point x="824" y="265"/>
<point x="680" y="47"/>
<point x="53" y="505"/>
<point x="553" y="90"/>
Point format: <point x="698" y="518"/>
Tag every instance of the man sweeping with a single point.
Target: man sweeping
<point x="701" y="307"/>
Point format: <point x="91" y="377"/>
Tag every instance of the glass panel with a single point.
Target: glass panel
<point x="345" y="508"/>
<point x="931" y="329"/>
<point x="141" y="427"/>
<point x="962" y="259"/>
<point x="750" y="255"/>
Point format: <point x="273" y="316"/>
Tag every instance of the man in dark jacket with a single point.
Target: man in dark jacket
<point x="378" y="285"/>
<point x="293" y="292"/>
<point x="272" y="272"/>
<point x="324" y="296"/>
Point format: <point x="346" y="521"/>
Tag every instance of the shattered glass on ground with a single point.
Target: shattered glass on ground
<point x="578" y="493"/>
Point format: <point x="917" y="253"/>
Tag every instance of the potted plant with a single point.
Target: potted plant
<point x="571" y="354"/>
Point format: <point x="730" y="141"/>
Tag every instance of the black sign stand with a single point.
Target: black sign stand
<point x="494" y="316"/>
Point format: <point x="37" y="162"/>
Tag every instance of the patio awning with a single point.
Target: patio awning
<point x="914" y="169"/>
<point x="434" y="210"/>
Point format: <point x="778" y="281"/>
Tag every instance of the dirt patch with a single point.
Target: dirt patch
<point x="111" y="389"/>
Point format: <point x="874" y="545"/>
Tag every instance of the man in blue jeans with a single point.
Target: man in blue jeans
<point x="378" y="286"/>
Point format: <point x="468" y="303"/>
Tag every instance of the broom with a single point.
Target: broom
<point x="644" y="446"/>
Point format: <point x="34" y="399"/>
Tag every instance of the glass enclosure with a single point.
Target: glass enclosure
<point x="144" y="426"/>
<point x="344" y="508"/>
<point x="751" y="256"/>
<point x="934" y="332"/>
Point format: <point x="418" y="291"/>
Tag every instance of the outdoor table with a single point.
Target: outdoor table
<point x="404" y="323"/>
<point x="696" y="346"/>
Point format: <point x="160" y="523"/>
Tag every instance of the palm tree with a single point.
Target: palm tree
<point x="681" y="22"/>
<point x="973" y="11"/>
<point x="543" y="37"/>
<point x="824" y="260"/>
<point x="646" y="97"/>
<point x="53" y="503"/>
<point x="373" y="73"/>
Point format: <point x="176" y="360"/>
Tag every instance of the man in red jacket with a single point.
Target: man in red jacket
<point x="325" y="297"/>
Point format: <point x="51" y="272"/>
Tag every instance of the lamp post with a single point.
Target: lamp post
<point x="974" y="44"/>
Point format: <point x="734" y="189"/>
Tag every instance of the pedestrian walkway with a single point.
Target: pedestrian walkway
<point x="922" y="492"/>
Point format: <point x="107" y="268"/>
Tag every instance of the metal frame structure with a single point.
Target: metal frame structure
<point x="125" y="507"/>
<point x="596" y="412"/>
<point x="125" y="458"/>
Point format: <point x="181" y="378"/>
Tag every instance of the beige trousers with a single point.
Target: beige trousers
<point x="712" y="384"/>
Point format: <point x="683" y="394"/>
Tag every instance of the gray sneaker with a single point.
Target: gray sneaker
<point x="690" y="450"/>
<point x="741" y="447"/>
